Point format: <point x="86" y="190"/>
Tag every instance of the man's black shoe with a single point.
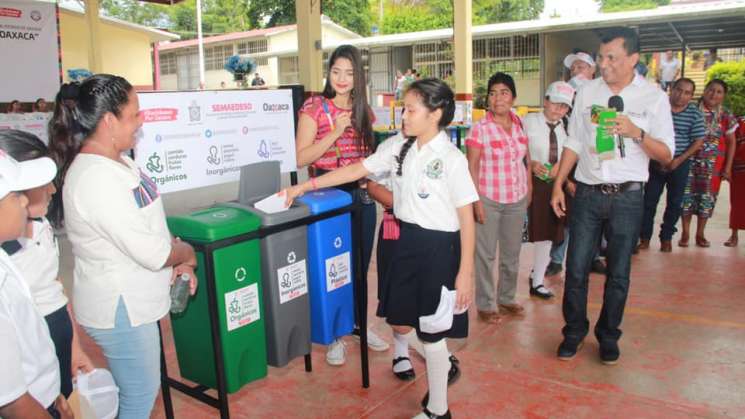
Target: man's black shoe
<point x="554" y="269"/>
<point x="609" y="352"/>
<point x="598" y="266"/>
<point x="568" y="349"/>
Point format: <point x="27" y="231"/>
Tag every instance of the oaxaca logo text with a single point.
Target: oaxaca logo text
<point x="276" y="107"/>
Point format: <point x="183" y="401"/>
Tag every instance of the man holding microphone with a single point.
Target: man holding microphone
<point x="609" y="189"/>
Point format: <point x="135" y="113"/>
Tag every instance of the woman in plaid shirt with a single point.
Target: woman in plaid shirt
<point x="497" y="150"/>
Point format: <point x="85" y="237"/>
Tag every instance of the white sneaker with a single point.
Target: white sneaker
<point x="336" y="354"/>
<point x="375" y="342"/>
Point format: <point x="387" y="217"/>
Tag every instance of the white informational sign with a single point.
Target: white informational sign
<point x="242" y="306"/>
<point x="338" y="273"/>
<point x="195" y="139"/>
<point x="293" y="281"/>
<point x="36" y="123"/>
<point x="30" y="51"/>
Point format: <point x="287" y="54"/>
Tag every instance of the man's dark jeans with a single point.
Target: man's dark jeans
<point x="675" y="182"/>
<point x="621" y="214"/>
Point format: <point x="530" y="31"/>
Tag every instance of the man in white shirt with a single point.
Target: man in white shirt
<point x="668" y="71"/>
<point x="30" y="381"/>
<point x="609" y="188"/>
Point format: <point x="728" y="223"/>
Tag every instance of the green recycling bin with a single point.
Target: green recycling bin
<point x="237" y="278"/>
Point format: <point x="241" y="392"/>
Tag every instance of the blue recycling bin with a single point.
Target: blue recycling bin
<point x="330" y="266"/>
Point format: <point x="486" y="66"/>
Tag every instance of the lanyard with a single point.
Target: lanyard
<point x="325" y="105"/>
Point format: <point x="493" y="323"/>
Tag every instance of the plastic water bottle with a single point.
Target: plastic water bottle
<point x="180" y="293"/>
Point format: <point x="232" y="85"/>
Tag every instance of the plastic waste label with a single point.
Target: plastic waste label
<point x="338" y="272"/>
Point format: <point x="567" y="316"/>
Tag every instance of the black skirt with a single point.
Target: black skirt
<point x="421" y="262"/>
<point x="543" y="224"/>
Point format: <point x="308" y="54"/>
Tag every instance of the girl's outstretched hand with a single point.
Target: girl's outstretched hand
<point x="291" y="193"/>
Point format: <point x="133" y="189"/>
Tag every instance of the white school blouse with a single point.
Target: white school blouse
<point x="27" y="354"/>
<point x="117" y="226"/>
<point x="435" y="181"/>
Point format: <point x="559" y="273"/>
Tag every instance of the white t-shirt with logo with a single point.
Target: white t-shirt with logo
<point x="38" y="261"/>
<point x="27" y="355"/>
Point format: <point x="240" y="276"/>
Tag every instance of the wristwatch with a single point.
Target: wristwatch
<point x="640" y="139"/>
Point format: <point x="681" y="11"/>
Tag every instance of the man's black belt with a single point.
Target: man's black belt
<point x="614" y="188"/>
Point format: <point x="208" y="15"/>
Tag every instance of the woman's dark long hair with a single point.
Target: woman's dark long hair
<point x="435" y="94"/>
<point x="361" y="120"/>
<point x="78" y="109"/>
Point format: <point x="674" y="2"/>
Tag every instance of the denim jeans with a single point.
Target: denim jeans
<point x="675" y="182"/>
<point x="133" y="355"/>
<point x="559" y="250"/>
<point x="621" y="214"/>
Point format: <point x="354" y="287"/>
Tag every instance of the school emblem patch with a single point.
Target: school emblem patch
<point x="434" y="169"/>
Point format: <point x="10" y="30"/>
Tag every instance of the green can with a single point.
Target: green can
<point x="237" y="278"/>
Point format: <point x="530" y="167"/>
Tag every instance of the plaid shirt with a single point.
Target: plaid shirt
<point x="503" y="177"/>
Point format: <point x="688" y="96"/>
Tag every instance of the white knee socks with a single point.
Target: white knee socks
<point x="438" y="365"/>
<point x="401" y="349"/>
<point x="542" y="254"/>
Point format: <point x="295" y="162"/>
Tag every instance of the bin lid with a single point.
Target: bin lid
<point x="296" y="211"/>
<point x="324" y="200"/>
<point x="213" y="224"/>
<point x="259" y="180"/>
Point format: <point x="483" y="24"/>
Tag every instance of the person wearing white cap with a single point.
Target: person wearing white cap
<point x="30" y="382"/>
<point x="36" y="255"/>
<point x="581" y="68"/>
<point x="546" y="137"/>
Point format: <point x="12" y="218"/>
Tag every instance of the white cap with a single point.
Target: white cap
<point x="560" y="92"/>
<point x="583" y="56"/>
<point x="20" y="176"/>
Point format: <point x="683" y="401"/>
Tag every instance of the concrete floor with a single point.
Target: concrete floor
<point x="682" y="353"/>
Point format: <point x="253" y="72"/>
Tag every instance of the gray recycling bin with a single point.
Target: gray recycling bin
<point x="284" y="267"/>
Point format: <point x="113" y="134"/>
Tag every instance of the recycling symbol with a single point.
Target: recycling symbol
<point x="337" y="242"/>
<point x="240" y="274"/>
<point x="235" y="306"/>
<point x="291" y="257"/>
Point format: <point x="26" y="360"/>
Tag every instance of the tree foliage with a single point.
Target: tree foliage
<point x="412" y="15"/>
<point x="624" y="5"/>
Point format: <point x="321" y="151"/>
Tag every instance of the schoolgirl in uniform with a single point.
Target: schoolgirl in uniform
<point x="432" y="197"/>
<point x="36" y="255"/>
<point x="335" y="130"/>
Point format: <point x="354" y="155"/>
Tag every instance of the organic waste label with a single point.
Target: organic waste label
<point x="242" y="306"/>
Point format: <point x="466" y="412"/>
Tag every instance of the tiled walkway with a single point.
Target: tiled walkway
<point x="682" y="356"/>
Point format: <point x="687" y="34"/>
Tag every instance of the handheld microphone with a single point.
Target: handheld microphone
<point x="616" y="102"/>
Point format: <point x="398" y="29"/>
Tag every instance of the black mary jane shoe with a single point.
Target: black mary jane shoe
<point x="406" y="375"/>
<point x="541" y="292"/>
<point x="453" y="376"/>
<point x="431" y="415"/>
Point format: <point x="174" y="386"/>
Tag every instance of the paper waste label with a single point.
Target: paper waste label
<point x="242" y="306"/>
<point x="338" y="272"/>
<point x="293" y="281"/>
